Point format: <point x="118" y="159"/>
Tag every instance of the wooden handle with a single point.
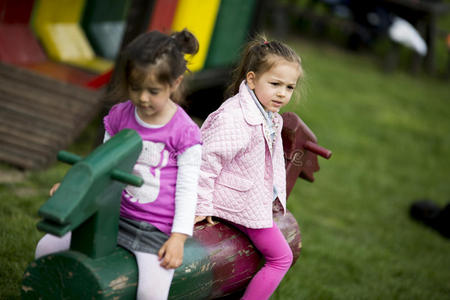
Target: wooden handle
<point x="313" y="147"/>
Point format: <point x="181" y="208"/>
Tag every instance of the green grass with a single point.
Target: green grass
<point x="21" y="195"/>
<point x="389" y="134"/>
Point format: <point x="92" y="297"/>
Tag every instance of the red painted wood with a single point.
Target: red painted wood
<point x="232" y="258"/>
<point x="62" y="72"/>
<point x="162" y="15"/>
<point x="17" y="42"/>
<point x="325" y="153"/>
<point x="15" y="11"/>
<point x="18" y="45"/>
<point x="100" y="81"/>
<point x="299" y="159"/>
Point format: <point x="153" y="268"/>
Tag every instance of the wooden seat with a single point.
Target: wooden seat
<point x="218" y="260"/>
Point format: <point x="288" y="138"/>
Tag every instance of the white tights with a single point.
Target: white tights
<point x="154" y="280"/>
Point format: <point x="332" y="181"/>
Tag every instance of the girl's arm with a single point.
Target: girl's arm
<point x="186" y="189"/>
<point x="223" y="137"/>
<point x="171" y="253"/>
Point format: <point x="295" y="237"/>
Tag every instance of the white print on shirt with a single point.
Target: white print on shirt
<point x="148" y="166"/>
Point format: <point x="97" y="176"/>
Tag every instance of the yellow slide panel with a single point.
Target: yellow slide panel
<point x="199" y="17"/>
<point x="56" y="23"/>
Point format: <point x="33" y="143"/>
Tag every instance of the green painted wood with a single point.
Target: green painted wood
<point x="87" y="203"/>
<point x="104" y="23"/>
<point x="68" y="157"/>
<point x="192" y="280"/>
<point x="88" y="200"/>
<point x="231" y="31"/>
<point x="73" y="275"/>
<point x="219" y="260"/>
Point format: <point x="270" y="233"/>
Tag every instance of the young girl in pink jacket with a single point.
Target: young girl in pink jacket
<point x="243" y="172"/>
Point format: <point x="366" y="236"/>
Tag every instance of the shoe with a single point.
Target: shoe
<point x="432" y="215"/>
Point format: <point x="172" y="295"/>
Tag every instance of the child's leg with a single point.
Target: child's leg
<point x="278" y="255"/>
<point x="50" y="244"/>
<point x="154" y="281"/>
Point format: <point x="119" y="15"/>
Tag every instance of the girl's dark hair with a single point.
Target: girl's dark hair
<point x="256" y="57"/>
<point x="161" y="53"/>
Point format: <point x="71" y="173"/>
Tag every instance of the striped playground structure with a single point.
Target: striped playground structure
<point x="78" y="40"/>
<point x="72" y="45"/>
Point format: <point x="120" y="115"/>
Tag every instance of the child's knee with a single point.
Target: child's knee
<point x="290" y="258"/>
<point x="43" y="248"/>
<point x="151" y="294"/>
<point x="287" y="259"/>
<point x="49" y="244"/>
<point x="283" y="261"/>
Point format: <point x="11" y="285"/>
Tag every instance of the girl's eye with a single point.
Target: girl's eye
<point x="134" y="88"/>
<point x="274" y="83"/>
<point x="291" y="87"/>
<point x="153" y="91"/>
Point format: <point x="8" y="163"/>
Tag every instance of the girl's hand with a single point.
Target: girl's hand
<point x="54" y="188"/>
<point x="201" y="218"/>
<point x="171" y="253"/>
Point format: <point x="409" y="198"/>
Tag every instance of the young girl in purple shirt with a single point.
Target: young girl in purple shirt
<point x="155" y="219"/>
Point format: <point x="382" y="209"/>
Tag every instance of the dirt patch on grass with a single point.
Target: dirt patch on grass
<point x="26" y="192"/>
<point x="12" y="176"/>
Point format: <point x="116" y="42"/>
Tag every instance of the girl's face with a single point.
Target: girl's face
<point x="274" y="87"/>
<point x="152" y="98"/>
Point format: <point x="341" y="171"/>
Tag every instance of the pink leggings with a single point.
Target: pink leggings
<point x="278" y="255"/>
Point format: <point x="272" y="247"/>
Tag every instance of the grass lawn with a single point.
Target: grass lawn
<point x="389" y="134"/>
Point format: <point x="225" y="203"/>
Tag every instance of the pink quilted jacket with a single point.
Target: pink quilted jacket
<point x="238" y="168"/>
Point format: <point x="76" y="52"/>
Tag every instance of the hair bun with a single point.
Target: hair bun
<point x="186" y="41"/>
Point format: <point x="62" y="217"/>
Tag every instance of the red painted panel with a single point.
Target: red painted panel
<point x="63" y="72"/>
<point x="15" y="11"/>
<point x="100" y="81"/>
<point x="162" y="15"/>
<point x="18" y="45"/>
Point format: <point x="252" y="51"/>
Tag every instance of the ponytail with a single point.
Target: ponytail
<point x="186" y="42"/>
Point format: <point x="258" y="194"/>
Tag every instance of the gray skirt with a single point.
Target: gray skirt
<point x="140" y="236"/>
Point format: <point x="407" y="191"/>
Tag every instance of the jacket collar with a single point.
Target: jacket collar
<point x="251" y="113"/>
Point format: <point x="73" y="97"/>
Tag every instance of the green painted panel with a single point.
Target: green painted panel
<point x="192" y="280"/>
<point x="104" y="23"/>
<point x="106" y="37"/>
<point x="72" y="275"/>
<point x="230" y="33"/>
